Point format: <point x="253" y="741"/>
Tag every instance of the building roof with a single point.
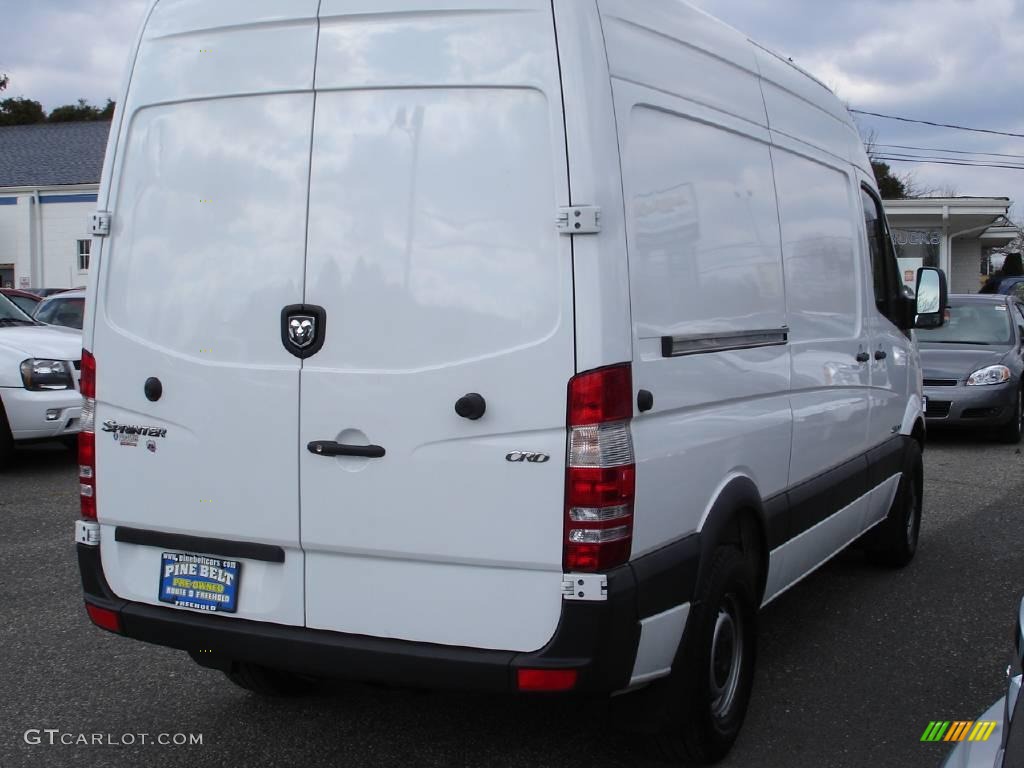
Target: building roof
<point x="52" y="154"/>
<point x="961" y="214"/>
<point x="955" y="204"/>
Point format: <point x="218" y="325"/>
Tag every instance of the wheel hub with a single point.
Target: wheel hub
<point x="726" y="657"/>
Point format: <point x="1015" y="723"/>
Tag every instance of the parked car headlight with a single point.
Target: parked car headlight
<point x="46" y="375"/>
<point x="994" y="374"/>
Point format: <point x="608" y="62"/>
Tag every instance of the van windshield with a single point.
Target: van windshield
<point x="10" y="314"/>
<point x="971" y="324"/>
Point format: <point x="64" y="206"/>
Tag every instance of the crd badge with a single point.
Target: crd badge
<point x="518" y="457"/>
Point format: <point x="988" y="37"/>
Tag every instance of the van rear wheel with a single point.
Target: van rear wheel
<point x="272" y="683"/>
<point x="713" y="673"/>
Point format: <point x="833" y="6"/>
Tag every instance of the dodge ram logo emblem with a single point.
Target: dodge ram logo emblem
<point x="518" y="457"/>
<point x="302" y="330"/>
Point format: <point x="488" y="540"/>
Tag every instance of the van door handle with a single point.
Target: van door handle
<point x="329" y="448"/>
<point x="863" y="357"/>
<point x="880" y="355"/>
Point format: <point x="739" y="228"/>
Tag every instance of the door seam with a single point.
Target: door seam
<point x="302" y="363"/>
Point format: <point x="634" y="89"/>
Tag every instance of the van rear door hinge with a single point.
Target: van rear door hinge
<point x="579" y="220"/>
<point x="584" y="586"/>
<point x="100" y="224"/>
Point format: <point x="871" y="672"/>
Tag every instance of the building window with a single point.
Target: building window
<point x="84" y="250"/>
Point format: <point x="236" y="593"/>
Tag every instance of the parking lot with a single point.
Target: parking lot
<point x="853" y="662"/>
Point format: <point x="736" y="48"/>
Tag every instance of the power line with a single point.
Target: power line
<point x="948" y="162"/>
<point x="947" y="151"/>
<point x="938" y="125"/>
<point x="965" y="160"/>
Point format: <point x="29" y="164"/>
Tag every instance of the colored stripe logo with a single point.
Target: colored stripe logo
<point x="959" y="730"/>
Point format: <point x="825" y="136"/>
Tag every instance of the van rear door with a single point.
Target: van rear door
<point x="438" y="167"/>
<point x="209" y="201"/>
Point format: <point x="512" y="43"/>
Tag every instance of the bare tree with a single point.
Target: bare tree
<point x="915" y="188"/>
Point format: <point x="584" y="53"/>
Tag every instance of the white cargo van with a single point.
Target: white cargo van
<point x="492" y="344"/>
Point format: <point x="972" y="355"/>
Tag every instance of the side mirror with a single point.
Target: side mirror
<point x="932" y="296"/>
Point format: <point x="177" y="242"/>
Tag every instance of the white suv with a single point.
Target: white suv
<point x="39" y="397"/>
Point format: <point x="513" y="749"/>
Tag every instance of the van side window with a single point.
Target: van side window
<point x="883" y="265"/>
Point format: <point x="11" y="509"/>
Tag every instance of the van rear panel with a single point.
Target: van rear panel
<point x="415" y="203"/>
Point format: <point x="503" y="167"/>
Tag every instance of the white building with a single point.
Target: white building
<point x="955" y="234"/>
<point x="49" y="179"/>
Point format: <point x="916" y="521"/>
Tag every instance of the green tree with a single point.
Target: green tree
<point x="4" y="80"/>
<point x="81" y="112"/>
<point x="891" y="187"/>
<point x="21" y="111"/>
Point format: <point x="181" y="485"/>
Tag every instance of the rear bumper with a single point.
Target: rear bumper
<point x="963" y="406"/>
<point x="597" y="639"/>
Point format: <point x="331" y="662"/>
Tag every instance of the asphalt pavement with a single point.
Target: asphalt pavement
<point x="853" y="662"/>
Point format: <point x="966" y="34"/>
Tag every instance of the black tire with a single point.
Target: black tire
<point x="1011" y="432"/>
<point x="894" y="541"/>
<point x="705" y="699"/>
<point x="272" y="683"/>
<point x="6" y="440"/>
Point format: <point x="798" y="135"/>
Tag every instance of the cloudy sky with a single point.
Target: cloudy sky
<point x="947" y="61"/>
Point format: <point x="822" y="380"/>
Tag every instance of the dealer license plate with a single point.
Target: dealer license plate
<point x="199" y="582"/>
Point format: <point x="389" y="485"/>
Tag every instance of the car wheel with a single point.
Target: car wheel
<point x="271" y="683"/>
<point x="6" y="439"/>
<point x="894" y="541"/>
<point x="1011" y="432"/>
<point x="707" y="694"/>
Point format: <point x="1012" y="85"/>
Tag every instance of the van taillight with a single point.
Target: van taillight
<point x="600" y="479"/>
<point x="87" y="438"/>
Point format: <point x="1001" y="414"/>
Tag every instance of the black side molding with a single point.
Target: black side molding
<point x="667" y="577"/>
<point x="242" y="550"/>
<point x="817" y="499"/>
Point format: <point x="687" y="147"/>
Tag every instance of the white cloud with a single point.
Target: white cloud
<point x="64" y="50"/>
